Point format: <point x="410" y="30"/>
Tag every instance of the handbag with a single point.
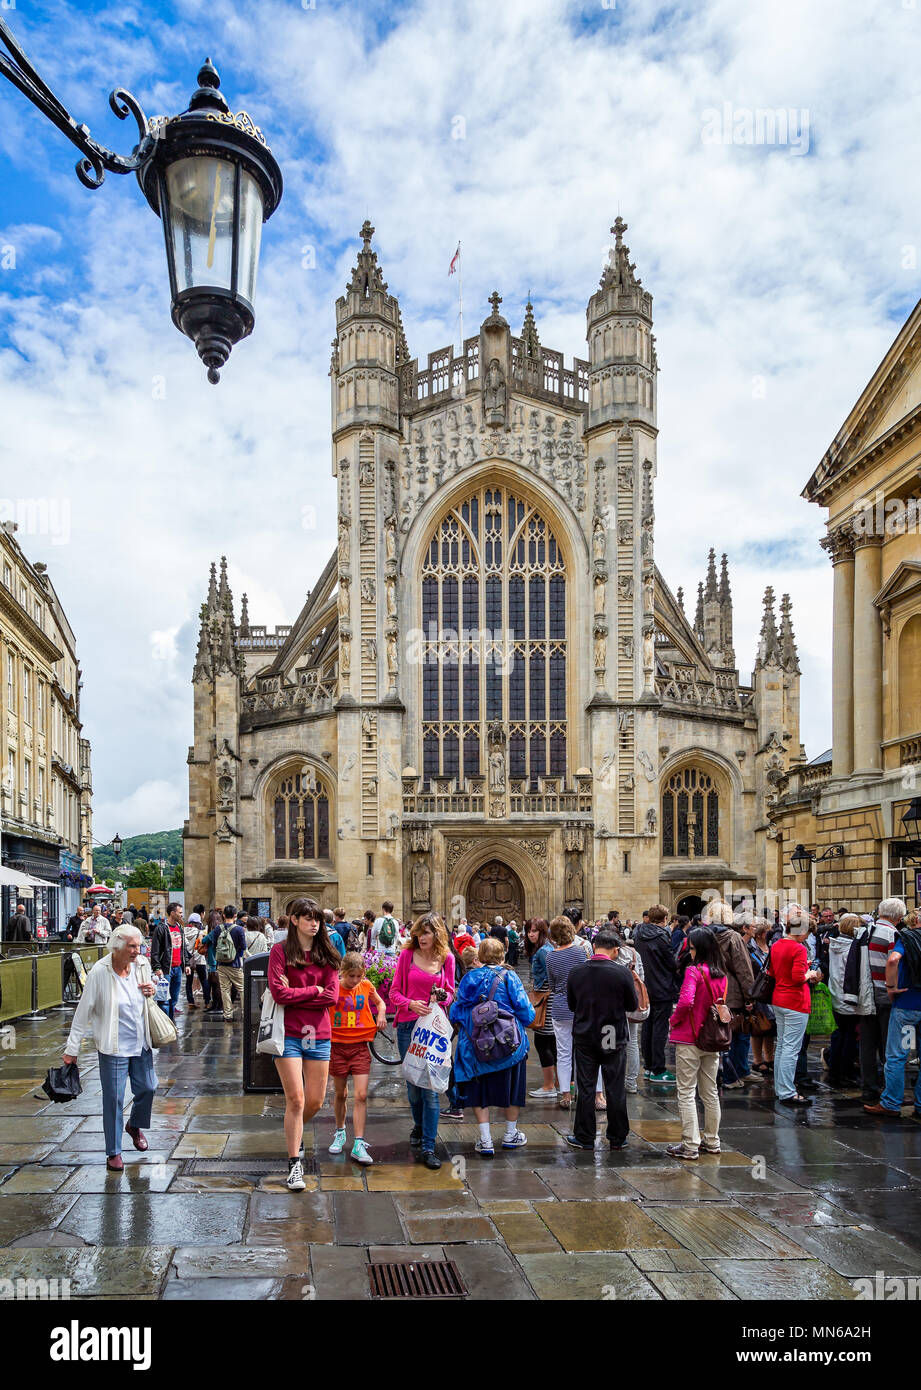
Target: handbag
<point x="538" y="998"/>
<point x="162" y="1028"/>
<point x="641" y="1012"/>
<point x="762" y="991"/>
<point x="821" y="1014"/>
<point x="161" y="990"/>
<point x="62" y="1083"/>
<point x="715" y="1032"/>
<point x="270" y="1035"/>
<point x="759" y="1023"/>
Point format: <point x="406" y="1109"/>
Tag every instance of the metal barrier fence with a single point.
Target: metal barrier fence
<point x="32" y="980"/>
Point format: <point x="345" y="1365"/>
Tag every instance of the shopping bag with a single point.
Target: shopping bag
<point x="161" y="990"/>
<point x="270" y="1036"/>
<point x="62" y="1083"/>
<point x="821" y="1015"/>
<point x="427" y="1063"/>
<point x="163" y="1030"/>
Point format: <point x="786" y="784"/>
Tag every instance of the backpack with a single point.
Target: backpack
<point x="388" y="932"/>
<point x="641" y="1013"/>
<point x="226" y="951"/>
<point x="715" y="1032"/>
<point x="353" y="940"/>
<point x="495" y="1033"/>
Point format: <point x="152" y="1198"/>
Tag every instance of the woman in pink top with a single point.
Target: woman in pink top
<point x="424" y="975"/>
<point x="704" y="984"/>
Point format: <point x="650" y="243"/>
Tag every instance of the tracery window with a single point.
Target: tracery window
<point x="301" y="817"/>
<point x="494" y="640"/>
<point x="690" y="815"/>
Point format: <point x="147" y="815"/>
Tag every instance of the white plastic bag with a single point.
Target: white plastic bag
<point x="270" y="1038"/>
<point x="427" y="1063"/>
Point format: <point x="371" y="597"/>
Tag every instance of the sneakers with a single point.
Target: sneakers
<point x="541" y="1094"/>
<point x="484" y="1148"/>
<point x="575" y="1143"/>
<point x="415" y="1138"/>
<point x="295" y="1179"/>
<point x="661" y="1075"/>
<point x="452" y="1114"/>
<point x="339" y="1142"/>
<point x="708" y="1149"/>
<point x="430" y="1161"/>
<point x="733" y="1085"/>
<point x="679" y="1151"/>
<point x="565" y="1101"/>
<point x="632" y="1090"/>
<point x="360" y="1152"/>
<point x="515" y="1141"/>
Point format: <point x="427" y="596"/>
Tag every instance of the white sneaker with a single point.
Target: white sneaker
<point x="541" y="1094"/>
<point x="360" y="1152"/>
<point x="484" y="1147"/>
<point x="339" y="1142"/>
<point x="515" y="1141"/>
<point x="295" y="1180"/>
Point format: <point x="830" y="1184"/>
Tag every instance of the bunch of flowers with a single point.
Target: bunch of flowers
<point x="380" y="968"/>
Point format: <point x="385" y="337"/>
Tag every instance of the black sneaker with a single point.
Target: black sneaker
<point x="430" y="1161"/>
<point x="415" y="1138"/>
<point x="575" y="1143"/>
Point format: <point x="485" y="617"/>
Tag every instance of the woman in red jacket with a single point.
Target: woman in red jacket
<point x="789" y="965"/>
<point x="303" y="975"/>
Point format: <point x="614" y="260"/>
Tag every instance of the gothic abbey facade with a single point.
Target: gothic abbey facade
<point x="491" y="700"/>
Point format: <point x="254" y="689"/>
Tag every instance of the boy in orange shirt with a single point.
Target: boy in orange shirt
<point x="353" y="1025"/>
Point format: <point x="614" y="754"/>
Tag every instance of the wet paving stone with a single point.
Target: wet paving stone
<point x="241" y="1261"/>
<point x="367" y="1218"/>
<point x="898" y="1213"/>
<point x="226" y="1104"/>
<point x="763" y="1281"/>
<point x="398" y="1254"/>
<point x="240" y="1124"/>
<point x="526" y="1235"/>
<point x="459" y="1203"/>
<point x="77" y="1158"/>
<point x="37" y="1129"/>
<point x="24" y="1153"/>
<point x="203" y="1145"/>
<point x="711" y="1231"/>
<point x="509" y="1206"/>
<point x="657" y="1131"/>
<point x="94" y="1271"/>
<point x="585" y="1184"/>
<point x="345" y="1182"/>
<point x="734" y="1180"/>
<point x="667" y="1261"/>
<point x="34" y="1180"/>
<point x="393" y="1177"/>
<point x="137" y="1178"/>
<point x="859" y="1178"/>
<point x="489" y="1180"/>
<point x="667" y="1184"/>
<point x="120" y="1219"/>
<point x="235" y="1290"/>
<point x="224" y="1182"/>
<point x="852" y="1251"/>
<point x="340" y="1272"/>
<point x="586" y="1276"/>
<point x="696" y="1288"/>
<point x="268" y="1145"/>
<point x="21" y="1215"/>
<point x="604" y="1226"/>
<point x="490" y="1273"/>
<point x="46" y="1239"/>
<point x="297" y="1229"/>
<point x="449" y="1230"/>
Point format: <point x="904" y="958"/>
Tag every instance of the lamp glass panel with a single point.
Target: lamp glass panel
<point x="200" y="190"/>
<point x="251" y="212"/>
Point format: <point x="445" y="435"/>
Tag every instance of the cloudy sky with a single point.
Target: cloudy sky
<point x="780" y="268"/>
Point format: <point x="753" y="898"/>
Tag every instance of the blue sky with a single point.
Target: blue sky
<point x="779" y="274"/>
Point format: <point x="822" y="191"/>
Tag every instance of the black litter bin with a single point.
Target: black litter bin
<point x="259" y="1070"/>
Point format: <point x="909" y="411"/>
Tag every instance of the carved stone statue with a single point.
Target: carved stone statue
<point x="390" y="536"/>
<point x="366" y="474"/>
<point x="574" y="881"/>
<point x="625" y="586"/>
<point x="368" y="592"/>
<point x="343" y="596"/>
<point x="599" y="540"/>
<point x="651" y="821"/>
<point x="497" y="770"/>
<point x="391" y="654"/>
<point x="494" y="394"/>
<point x="599" y="593"/>
<point x="601" y="650"/>
<point x="345" y="539"/>
<point x="421" y="883"/>
<point x="345" y="652"/>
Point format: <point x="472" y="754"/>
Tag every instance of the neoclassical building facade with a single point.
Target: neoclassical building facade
<point x="491" y="700"/>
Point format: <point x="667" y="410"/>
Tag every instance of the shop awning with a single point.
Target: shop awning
<point x="12" y="878"/>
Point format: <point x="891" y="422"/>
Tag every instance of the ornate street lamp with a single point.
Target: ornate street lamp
<point x="117" y="847"/>
<point x="803" y="859"/>
<point x="210" y="177"/>
<point x="912" y="820"/>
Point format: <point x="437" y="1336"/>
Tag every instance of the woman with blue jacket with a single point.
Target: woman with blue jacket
<point x="502" y="1082"/>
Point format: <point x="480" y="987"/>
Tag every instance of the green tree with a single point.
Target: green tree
<point x="176" y="882"/>
<point x="145" y="875"/>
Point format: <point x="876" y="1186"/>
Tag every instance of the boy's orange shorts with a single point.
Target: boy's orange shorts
<point x="349" y="1059"/>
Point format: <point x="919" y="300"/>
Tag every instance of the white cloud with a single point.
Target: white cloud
<point x="777" y="278"/>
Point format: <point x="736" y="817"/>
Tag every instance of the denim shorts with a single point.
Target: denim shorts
<point x="311" y="1052"/>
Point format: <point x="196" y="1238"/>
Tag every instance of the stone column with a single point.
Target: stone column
<point x="839" y="545"/>
<point x="868" y="651"/>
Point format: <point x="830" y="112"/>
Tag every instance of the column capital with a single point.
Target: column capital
<point x="866" y="539"/>
<point x="839" y="544"/>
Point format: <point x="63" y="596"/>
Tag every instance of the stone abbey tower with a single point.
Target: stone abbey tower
<point x="491" y="701"/>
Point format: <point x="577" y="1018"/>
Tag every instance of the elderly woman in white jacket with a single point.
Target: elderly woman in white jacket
<point x="113" y="1011"/>
<point x="850" y="1004"/>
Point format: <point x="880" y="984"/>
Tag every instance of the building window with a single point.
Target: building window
<point x="11" y="682"/>
<point x="27" y="780"/>
<point x="494" y="641"/>
<point x="301" y="817"/>
<point x="690" y="815"/>
<point x="8" y="578"/>
<point x="41" y="794"/>
<point x="41" y="701"/>
<point x="11" y="770"/>
<point x="26" y="682"/>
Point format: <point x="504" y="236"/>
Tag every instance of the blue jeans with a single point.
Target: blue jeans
<point x="175" y="985"/>
<point x="113" y="1073"/>
<point x="735" y="1060"/>
<point x="898" y="1046"/>
<point x="791" y="1025"/>
<point x="425" y="1105"/>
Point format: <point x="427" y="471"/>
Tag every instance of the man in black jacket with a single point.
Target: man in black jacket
<point x="653" y="941"/>
<point x="600" y="994"/>
<point x="19" y="929"/>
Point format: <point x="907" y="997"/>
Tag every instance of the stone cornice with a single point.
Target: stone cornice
<point x="29" y="628"/>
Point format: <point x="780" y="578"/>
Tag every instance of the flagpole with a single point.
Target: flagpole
<point x="460" y="291"/>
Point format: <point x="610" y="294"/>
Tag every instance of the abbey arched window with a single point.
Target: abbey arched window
<point x="301" y="817"/>
<point x="690" y="815"/>
<point x="494" y="641"/>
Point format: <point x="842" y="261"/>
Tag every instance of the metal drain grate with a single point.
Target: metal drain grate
<point x="425" y="1279"/>
<point x="242" y="1167"/>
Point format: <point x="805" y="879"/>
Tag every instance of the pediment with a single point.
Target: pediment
<point x="903" y="583"/>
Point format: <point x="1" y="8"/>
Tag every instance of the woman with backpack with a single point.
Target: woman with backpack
<point x="491" y="1058"/>
<point x="704" y="986"/>
<point x="424" y="975"/>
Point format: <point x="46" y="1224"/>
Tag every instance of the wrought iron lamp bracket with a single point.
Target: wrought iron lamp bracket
<point x="97" y="160"/>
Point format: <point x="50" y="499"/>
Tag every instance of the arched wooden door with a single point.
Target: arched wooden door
<point x="494" y="890"/>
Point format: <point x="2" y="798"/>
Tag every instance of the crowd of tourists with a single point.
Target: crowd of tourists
<point x="721" y="1001"/>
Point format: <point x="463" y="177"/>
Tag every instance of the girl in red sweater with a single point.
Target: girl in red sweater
<point x="303" y="975"/>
